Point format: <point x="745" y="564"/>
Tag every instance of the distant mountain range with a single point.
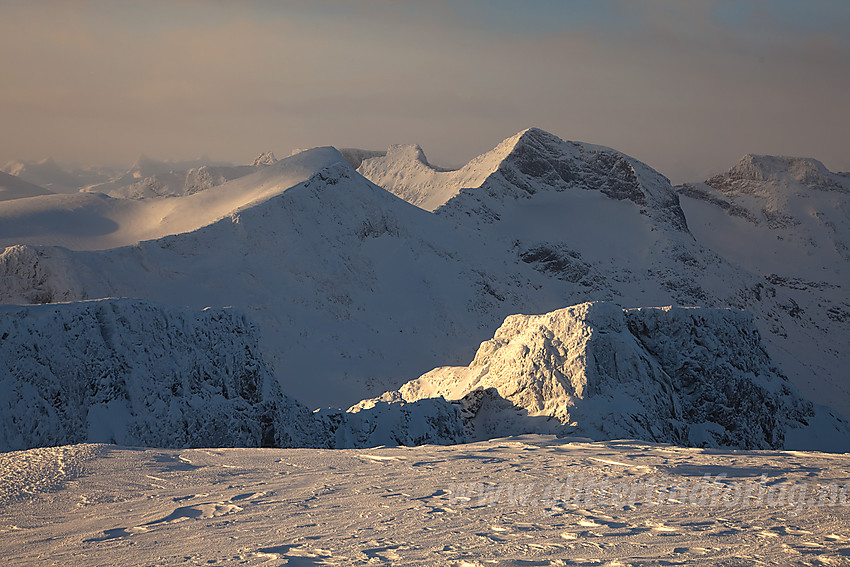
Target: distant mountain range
<point x="362" y="280"/>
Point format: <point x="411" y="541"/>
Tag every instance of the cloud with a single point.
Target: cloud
<point x="687" y="87"/>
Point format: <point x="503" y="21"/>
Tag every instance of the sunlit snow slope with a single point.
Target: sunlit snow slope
<point x="94" y="221"/>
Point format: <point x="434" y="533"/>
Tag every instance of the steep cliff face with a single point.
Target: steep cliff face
<point x="695" y="376"/>
<point x="135" y="373"/>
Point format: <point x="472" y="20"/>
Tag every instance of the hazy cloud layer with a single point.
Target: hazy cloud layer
<point x="687" y="87"/>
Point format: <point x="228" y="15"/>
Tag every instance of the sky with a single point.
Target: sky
<point x="687" y="87"/>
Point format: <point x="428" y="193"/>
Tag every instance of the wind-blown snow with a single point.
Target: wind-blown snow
<point x="518" y="501"/>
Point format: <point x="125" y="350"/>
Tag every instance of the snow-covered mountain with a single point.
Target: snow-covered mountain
<point x="689" y="376"/>
<point x="355" y="291"/>
<point x="135" y="373"/>
<point x="793" y="215"/>
<point x="521" y="166"/>
<point x="788" y="220"/>
<point x="13" y="187"/>
<point x="93" y="221"/>
<point x="593" y="216"/>
<point x="265" y="158"/>
<point x="56" y="178"/>
<point x="148" y="178"/>
<point x="131" y="372"/>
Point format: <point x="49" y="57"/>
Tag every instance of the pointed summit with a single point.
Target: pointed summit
<point x="265" y="158"/>
<point x="530" y="162"/>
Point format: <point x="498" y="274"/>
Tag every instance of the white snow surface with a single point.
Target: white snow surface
<point x="531" y="500"/>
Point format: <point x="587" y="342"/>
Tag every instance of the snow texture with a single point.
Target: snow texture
<point x="531" y="500"/>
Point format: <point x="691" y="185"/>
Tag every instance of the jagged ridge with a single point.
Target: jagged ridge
<point x="697" y="377"/>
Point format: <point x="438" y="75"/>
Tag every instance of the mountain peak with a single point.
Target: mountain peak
<point x="529" y="162"/>
<point x="265" y="158"/>
<point x="408" y="152"/>
<point x="754" y="171"/>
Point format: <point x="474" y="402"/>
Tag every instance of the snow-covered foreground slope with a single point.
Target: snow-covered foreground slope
<point x="697" y="377"/>
<point x="517" y="501"/>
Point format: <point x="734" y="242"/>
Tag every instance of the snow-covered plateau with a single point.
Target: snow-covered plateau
<point x="532" y="500"/>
